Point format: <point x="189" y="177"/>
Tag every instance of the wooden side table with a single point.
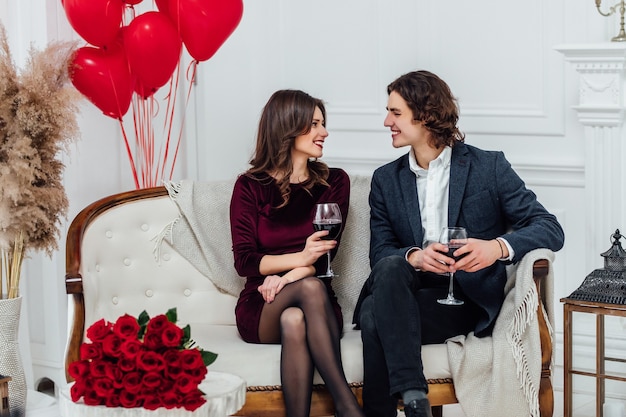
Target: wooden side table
<point x="4" y="395"/>
<point x="600" y="310"/>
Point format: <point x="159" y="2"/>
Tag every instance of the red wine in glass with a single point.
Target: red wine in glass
<point x="328" y="217"/>
<point x="332" y="225"/>
<point x="453" y="238"/>
<point x="451" y="249"/>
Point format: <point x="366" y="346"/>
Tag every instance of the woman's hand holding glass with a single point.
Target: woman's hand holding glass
<point x="315" y="247"/>
<point x="328" y="217"/>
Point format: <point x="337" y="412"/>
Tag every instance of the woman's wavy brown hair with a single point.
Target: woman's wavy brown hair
<point x="287" y="115"/>
<point x="432" y="103"/>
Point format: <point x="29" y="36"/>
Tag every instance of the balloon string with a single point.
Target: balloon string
<point x="139" y="138"/>
<point x="135" y="106"/>
<point x="169" y="118"/>
<point x="193" y="66"/>
<point x="151" y="136"/>
<point x="130" y="154"/>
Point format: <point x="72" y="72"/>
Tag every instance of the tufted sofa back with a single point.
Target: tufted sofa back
<point x="123" y="269"/>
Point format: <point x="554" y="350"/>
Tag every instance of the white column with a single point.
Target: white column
<point x="601" y="111"/>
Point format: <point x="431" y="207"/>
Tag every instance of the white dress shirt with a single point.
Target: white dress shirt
<point x="433" y="190"/>
<point x="433" y="185"/>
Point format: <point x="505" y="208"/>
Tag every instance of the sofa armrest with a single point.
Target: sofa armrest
<point x="73" y="260"/>
<point x="546" y="394"/>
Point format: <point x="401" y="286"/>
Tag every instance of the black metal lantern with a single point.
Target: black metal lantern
<point x="607" y="285"/>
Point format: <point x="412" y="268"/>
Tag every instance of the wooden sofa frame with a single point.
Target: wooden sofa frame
<point x="268" y="401"/>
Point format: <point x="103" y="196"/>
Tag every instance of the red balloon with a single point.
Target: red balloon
<point x="96" y="21"/>
<point x="132" y="2"/>
<point x="144" y="92"/>
<point x="104" y="78"/>
<point x="153" y="49"/>
<point x="163" y="6"/>
<point x="204" y="25"/>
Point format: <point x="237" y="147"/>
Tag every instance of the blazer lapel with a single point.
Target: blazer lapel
<point x="411" y="202"/>
<point x="459" y="168"/>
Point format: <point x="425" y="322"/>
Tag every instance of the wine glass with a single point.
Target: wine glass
<point x="328" y="217"/>
<point x="453" y="238"/>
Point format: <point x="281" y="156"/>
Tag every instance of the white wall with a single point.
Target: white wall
<point x="516" y="94"/>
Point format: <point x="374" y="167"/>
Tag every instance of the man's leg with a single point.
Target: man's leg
<point x="391" y="329"/>
<point x="377" y="402"/>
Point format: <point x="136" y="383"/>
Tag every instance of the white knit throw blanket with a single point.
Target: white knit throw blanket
<point x="500" y="375"/>
<point x="204" y="212"/>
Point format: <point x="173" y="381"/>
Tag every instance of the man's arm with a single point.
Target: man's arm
<point x="385" y="218"/>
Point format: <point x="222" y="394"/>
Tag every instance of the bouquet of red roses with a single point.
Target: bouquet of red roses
<point x="140" y="362"/>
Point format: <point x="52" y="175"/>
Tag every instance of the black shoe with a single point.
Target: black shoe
<point x="418" y="408"/>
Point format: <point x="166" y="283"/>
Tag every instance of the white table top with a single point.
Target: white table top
<point x="225" y="395"/>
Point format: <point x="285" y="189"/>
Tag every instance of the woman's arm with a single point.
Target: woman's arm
<point x="314" y="248"/>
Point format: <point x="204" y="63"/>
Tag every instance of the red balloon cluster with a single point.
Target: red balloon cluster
<point x="142" y="55"/>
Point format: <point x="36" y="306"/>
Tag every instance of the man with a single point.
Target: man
<point x="441" y="182"/>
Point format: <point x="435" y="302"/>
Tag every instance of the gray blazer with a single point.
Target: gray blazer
<point x="487" y="197"/>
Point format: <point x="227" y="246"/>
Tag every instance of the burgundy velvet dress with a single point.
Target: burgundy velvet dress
<point x="258" y="228"/>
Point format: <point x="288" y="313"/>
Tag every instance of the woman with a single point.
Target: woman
<point x="274" y="246"/>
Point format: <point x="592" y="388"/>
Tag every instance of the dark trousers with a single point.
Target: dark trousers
<point x="399" y="315"/>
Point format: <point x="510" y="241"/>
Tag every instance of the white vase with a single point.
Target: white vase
<point x="10" y="358"/>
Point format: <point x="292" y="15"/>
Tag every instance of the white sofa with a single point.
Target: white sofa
<point x="112" y="270"/>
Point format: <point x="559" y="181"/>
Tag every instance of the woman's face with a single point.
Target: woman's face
<point x="311" y="145"/>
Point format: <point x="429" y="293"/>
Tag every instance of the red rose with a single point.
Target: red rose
<point x="114" y="373"/>
<point x="103" y="387"/>
<point x="127" y="364"/>
<point x="152" y="402"/>
<point x="77" y="390"/>
<point x="78" y="369"/>
<point x="150" y="361"/>
<point x="151" y="380"/>
<point x="191" y="358"/>
<point x="126" y="327"/>
<point x="157" y="323"/>
<point x="132" y="382"/>
<point x="172" y="357"/>
<point x="91" y="351"/>
<point x="129" y="399"/>
<point x="97" y="368"/>
<point x="152" y="341"/>
<point x="185" y="384"/>
<point x="97" y="331"/>
<point x="111" y="345"/>
<point x="139" y="363"/>
<point x="172" y="371"/>
<point x="91" y="397"/>
<point x="130" y="348"/>
<point x="197" y="374"/>
<point x="171" y="399"/>
<point x="193" y="401"/>
<point x="171" y="335"/>
<point x="112" y="401"/>
<point x="167" y="385"/>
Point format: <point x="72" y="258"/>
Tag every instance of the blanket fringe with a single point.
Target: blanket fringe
<point x="165" y="232"/>
<point x="524" y="315"/>
<point x="173" y="188"/>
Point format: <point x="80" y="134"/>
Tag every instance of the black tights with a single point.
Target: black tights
<point x="302" y="319"/>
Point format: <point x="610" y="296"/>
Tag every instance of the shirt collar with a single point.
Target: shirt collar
<point x="443" y="160"/>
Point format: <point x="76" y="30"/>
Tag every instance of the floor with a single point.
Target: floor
<point x="41" y="405"/>
<point x="584" y="406"/>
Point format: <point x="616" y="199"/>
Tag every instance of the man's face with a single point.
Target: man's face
<point x="404" y="130"/>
